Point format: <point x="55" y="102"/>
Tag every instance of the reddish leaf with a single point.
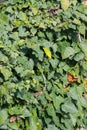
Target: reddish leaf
<point x="71" y="78"/>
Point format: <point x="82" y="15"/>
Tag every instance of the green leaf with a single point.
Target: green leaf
<point x="69" y="51"/>
<point x="31" y="64"/>
<point x="13" y="126"/>
<point x="84" y="65"/>
<point x="1" y="45"/>
<point x="69" y="107"/>
<point x="74" y="2"/>
<point x="54" y="62"/>
<point x="18" y="110"/>
<point x="3" y="19"/>
<point x="73" y="119"/>
<point x="26" y="113"/>
<point x="79" y="56"/>
<point x="33" y="125"/>
<point x="51" y="75"/>
<point x="77" y="21"/>
<point x="4" y="90"/>
<point x="52" y="127"/>
<point x="33" y="31"/>
<point x="35" y="11"/>
<point x="65" y="4"/>
<point x="3" y="116"/>
<point x="6" y="72"/>
<point x="38" y="48"/>
<point x="3" y="58"/>
<point x="83" y="102"/>
<point x="58" y="100"/>
<point x="22" y="16"/>
<point x="82" y="29"/>
<point x="83" y="47"/>
<point x="73" y="93"/>
<point x="50" y="110"/>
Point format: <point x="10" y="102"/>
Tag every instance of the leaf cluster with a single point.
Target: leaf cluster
<point x="41" y="43"/>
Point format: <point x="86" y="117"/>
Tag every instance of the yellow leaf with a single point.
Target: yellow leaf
<point x="21" y="42"/>
<point x="41" y="25"/>
<point x="47" y="21"/>
<point x="17" y="23"/>
<point x="34" y="80"/>
<point x="65" y="4"/>
<point x="77" y="21"/>
<point x="47" y="52"/>
<point x="35" y="11"/>
<point x="1" y="46"/>
<point x="63" y="24"/>
<point x="86" y="58"/>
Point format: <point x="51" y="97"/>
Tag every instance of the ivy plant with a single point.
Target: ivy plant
<point x="43" y="65"/>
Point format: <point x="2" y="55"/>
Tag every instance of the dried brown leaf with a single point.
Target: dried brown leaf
<point x="12" y="119"/>
<point x="36" y="94"/>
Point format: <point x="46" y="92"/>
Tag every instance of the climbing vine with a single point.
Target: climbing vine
<point x="43" y="65"/>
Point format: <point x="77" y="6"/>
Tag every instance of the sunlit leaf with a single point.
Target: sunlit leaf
<point x="6" y="72"/>
<point x="35" y="11"/>
<point x="77" y="21"/>
<point x="65" y="4"/>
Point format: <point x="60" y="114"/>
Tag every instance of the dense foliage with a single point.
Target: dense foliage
<point x="43" y="65"/>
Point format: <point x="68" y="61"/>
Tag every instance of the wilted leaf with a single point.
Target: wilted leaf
<point x="85" y="2"/>
<point x="36" y="94"/>
<point x="12" y="119"/>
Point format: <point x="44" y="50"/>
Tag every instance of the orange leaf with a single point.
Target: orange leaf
<point x="71" y="78"/>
